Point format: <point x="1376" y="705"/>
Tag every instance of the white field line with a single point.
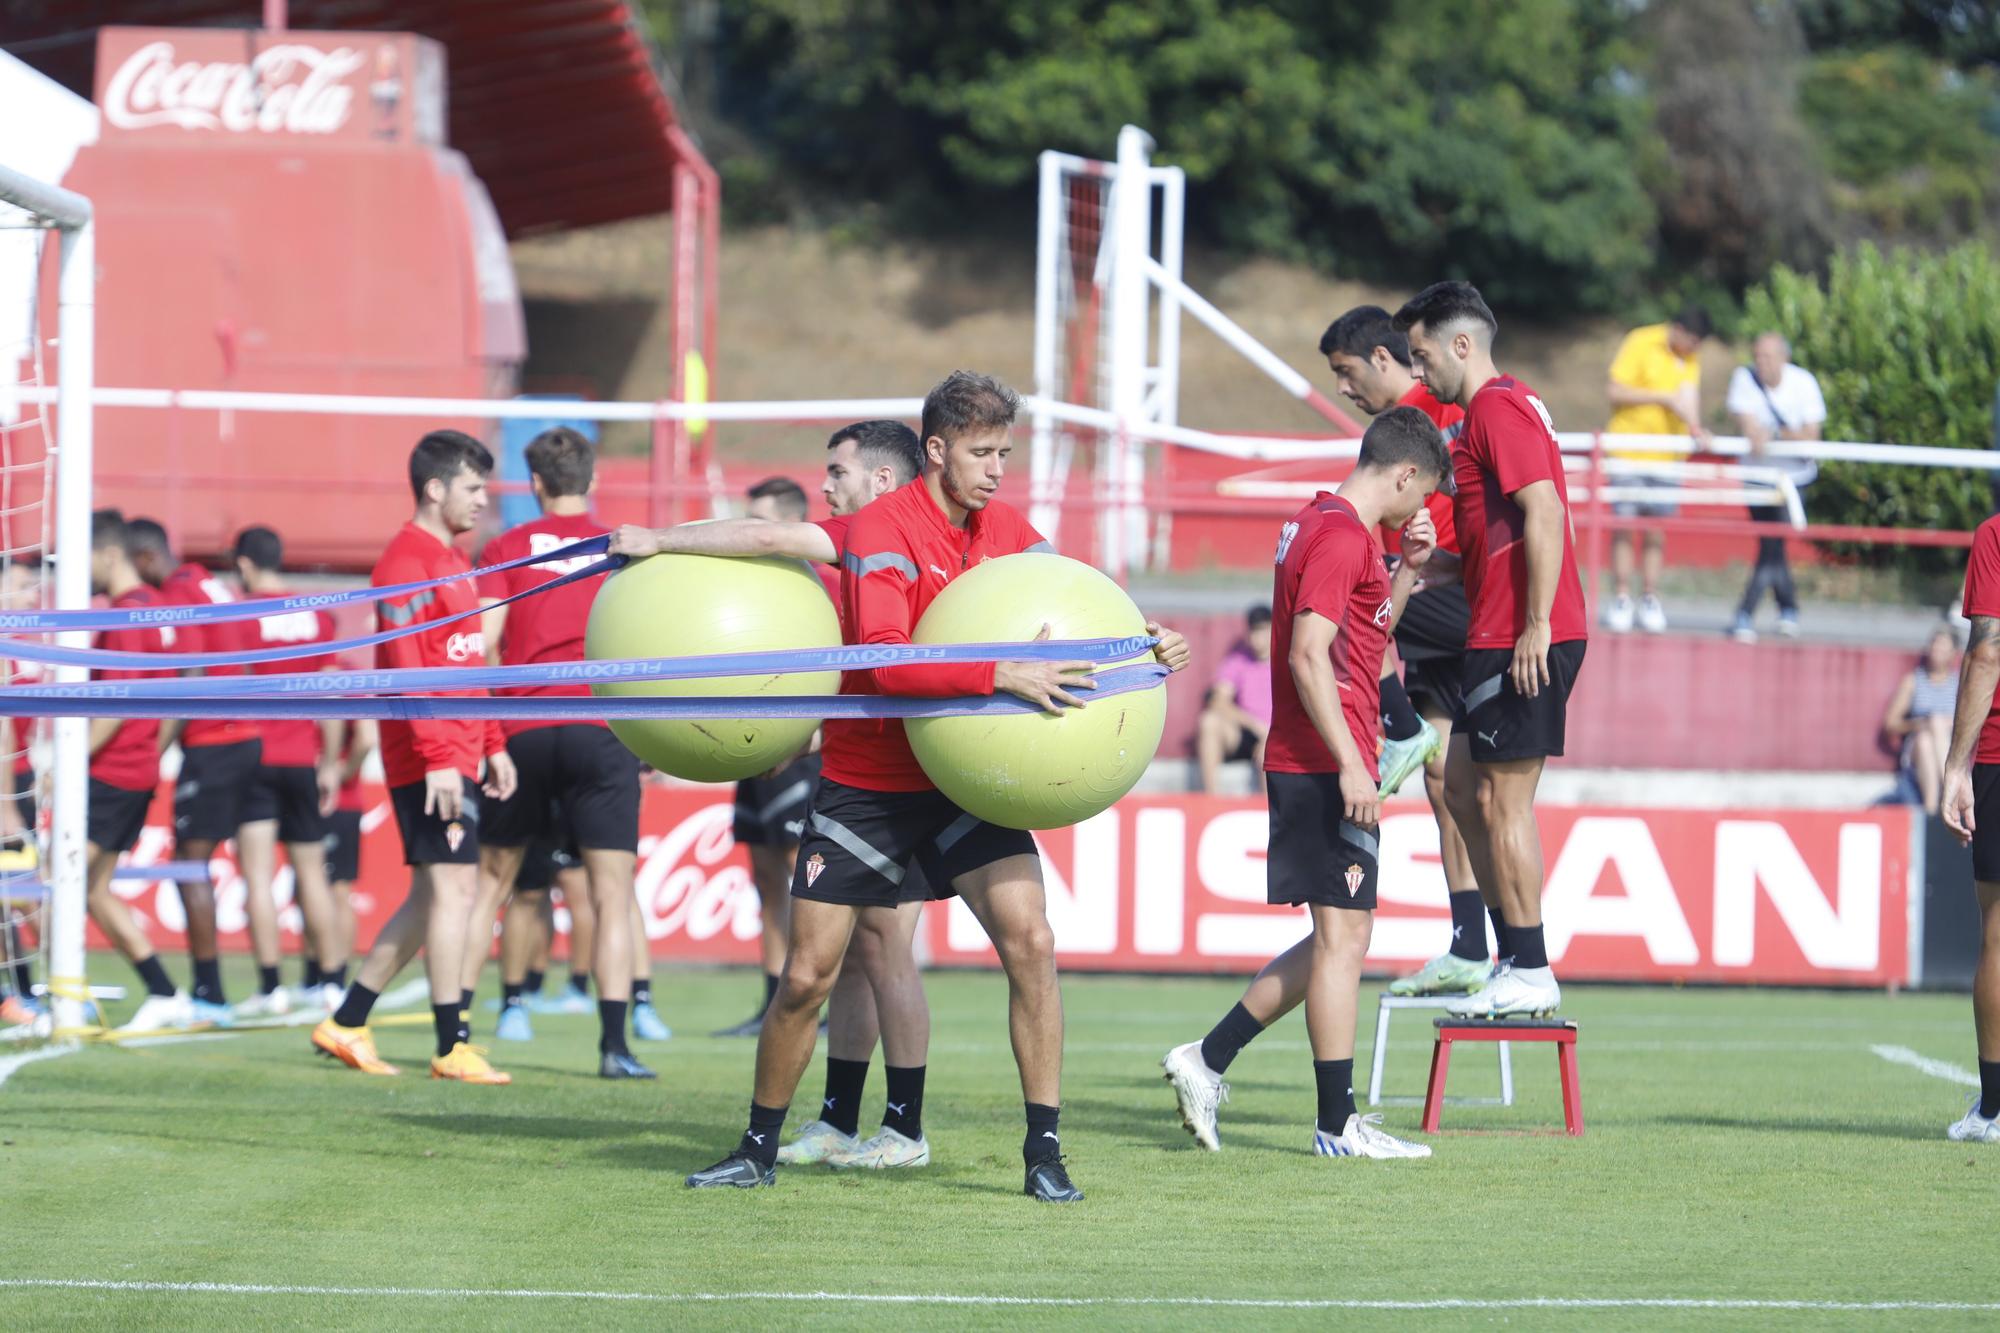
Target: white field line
<point x="949" y="1299"/>
<point x="1923" y="1064"/>
<point x="10" y="1063"/>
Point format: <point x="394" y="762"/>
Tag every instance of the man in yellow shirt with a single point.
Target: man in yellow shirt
<point x="1655" y="389"/>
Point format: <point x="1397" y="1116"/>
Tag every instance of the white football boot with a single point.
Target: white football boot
<point x="886" y="1150"/>
<point x="814" y="1143"/>
<point x="1363" y="1137"/>
<point x="1199" y="1090"/>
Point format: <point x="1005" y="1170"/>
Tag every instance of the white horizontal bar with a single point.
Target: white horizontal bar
<point x="65" y="208"/>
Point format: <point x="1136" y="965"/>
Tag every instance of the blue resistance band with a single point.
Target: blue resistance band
<point x="333" y="684"/>
<point x="1119" y="680"/>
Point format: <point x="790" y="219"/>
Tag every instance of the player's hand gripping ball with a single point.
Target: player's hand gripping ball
<point x="681" y="605"/>
<point x="1039" y="770"/>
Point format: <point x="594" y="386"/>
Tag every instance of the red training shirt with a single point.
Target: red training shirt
<point x="411" y="749"/>
<point x="836" y="530"/>
<point x="1982" y="598"/>
<point x="131" y="758"/>
<point x="547" y="627"/>
<point x="901" y="551"/>
<point x="1450" y="419"/>
<point x="293" y="743"/>
<point x="1509" y="443"/>
<point x="191" y="585"/>
<point x="1328" y="563"/>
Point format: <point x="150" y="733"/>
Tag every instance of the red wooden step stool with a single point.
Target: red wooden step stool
<point x="1558" y="1032"/>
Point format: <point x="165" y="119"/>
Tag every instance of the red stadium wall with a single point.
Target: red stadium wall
<point x="1176" y="884"/>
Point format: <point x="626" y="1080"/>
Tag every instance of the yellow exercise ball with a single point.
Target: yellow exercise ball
<point x="682" y="605"/>
<point x="1038" y="770"/>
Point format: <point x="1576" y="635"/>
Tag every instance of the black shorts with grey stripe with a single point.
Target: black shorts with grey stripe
<point x="859" y="846"/>
<point x="1316" y="856"/>
<point x="771" y="811"/>
<point x="1502" y="724"/>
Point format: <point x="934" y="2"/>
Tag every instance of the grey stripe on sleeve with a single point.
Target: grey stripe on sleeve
<point x="863" y="565"/>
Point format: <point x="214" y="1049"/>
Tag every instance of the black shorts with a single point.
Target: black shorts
<point x="545" y="858"/>
<point x="771" y="812"/>
<point x="1316" y="856"/>
<point x="1434" y="624"/>
<point x="578" y="777"/>
<point x="289" y="795"/>
<point x="430" y="841"/>
<point x="1436" y="685"/>
<point x="1501" y="724"/>
<point x="859" y="845"/>
<point x="213" y="788"/>
<point x="343" y="846"/>
<point x="1246" y="749"/>
<point x="1986" y="823"/>
<point x="116" y="817"/>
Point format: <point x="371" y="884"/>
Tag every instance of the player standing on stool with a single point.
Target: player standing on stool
<point x="432" y="769"/>
<point x="575" y="779"/>
<point x="1332" y="609"/>
<point x="1971" y="809"/>
<point x="1525" y="647"/>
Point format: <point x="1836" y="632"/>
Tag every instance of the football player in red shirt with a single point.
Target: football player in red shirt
<point x="433" y="770"/>
<point x="1370" y="361"/>
<point x="1525" y="645"/>
<point x="326" y="958"/>
<point x="1333" y="606"/>
<point x="575" y="779"/>
<point x="882" y="994"/>
<point x="294" y="789"/>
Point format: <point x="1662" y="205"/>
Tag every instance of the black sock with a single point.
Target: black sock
<point x="1503" y="943"/>
<point x="841" y="1107"/>
<point x="337" y="977"/>
<point x="611" y="1027"/>
<point x="1044" y="1139"/>
<point x="1236" y="1030"/>
<point x="267" y="979"/>
<point x="154" y="974"/>
<point x="580" y="981"/>
<point x="510" y="994"/>
<point x="1335" y="1079"/>
<point x="313" y="976"/>
<point x="1529" y="950"/>
<point x="355" y="1007"/>
<point x="770" y="991"/>
<point x="1399" y="720"/>
<point x="904" y="1111"/>
<point x="208" y="980"/>
<point x="761" y="1139"/>
<point x="532" y="984"/>
<point x="451" y="1024"/>
<point x="642" y="990"/>
<point x="1468" y="925"/>
<point x="1989" y="1088"/>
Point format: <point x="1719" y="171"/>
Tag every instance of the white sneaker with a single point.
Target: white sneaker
<point x="815" y="1143"/>
<point x="1652" y="616"/>
<point x="1974" y="1128"/>
<point x="886" y="1150"/>
<point x="1513" y="992"/>
<point x="274" y="1004"/>
<point x="1200" y="1091"/>
<point x="1618" y="614"/>
<point x="1362" y="1138"/>
<point x="161" y="1013"/>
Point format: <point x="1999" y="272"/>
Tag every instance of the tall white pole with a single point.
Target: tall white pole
<point x="1043" y="511"/>
<point x="1129" y="338"/>
<point x="76" y="356"/>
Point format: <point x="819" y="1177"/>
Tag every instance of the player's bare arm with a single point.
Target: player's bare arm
<point x="1542" y="535"/>
<point x="1977" y="678"/>
<point x="729" y="537"/>
<point x="1311" y="663"/>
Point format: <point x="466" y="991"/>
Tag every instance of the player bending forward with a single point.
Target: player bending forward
<point x="1333" y="607"/>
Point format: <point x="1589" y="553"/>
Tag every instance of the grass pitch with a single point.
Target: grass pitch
<point x="1742" y="1146"/>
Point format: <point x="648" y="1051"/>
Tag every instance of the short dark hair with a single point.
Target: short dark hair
<point x="1405" y="435"/>
<point x="1257" y="616"/>
<point x="888" y="444"/>
<point x="963" y="402"/>
<point x="440" y="455"/>
<point x="789" y="495"/>
<point x="1695" y="320"/>
<point x="107" y="528"/>
<point x="145" y="534"/>
<point x="1446" y="303"/>
<point x="564" y="460"/>
<point x="1363" y="329"/>
<point x="261" y="547"/>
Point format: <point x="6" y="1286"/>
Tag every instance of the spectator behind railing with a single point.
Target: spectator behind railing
<point x="1773" y="399"/>
<point x="1918" y="721"/>
<point x="1237" y="716"/>
<point x="1656" y="390"/>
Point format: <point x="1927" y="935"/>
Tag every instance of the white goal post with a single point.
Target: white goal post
<point x="69" y="214"/>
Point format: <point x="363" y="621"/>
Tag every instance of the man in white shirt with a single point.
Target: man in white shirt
<point x="1772" y="399"/>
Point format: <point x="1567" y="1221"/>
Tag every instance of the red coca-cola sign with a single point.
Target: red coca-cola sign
<point x="253" y="87"/>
